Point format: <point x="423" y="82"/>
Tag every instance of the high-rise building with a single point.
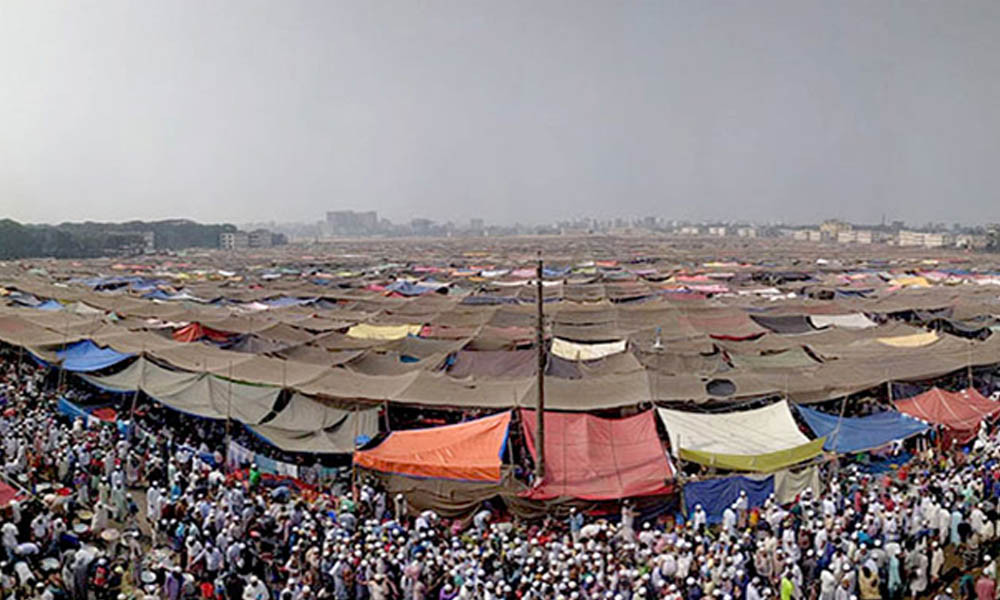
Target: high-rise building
<point x="349" y="222"/>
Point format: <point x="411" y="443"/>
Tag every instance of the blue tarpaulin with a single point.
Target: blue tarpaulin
<point x="715" y="495"/>
<point x="49" y="305"/>
<point x="408" y="288"/>
<point x="854" y="434"/>
<point x="73" y="411"/>
<point x="86" y="356"/>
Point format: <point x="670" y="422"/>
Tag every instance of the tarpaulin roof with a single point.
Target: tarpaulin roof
<point x="850" y="321"/>
<point x="468" y="451"/>
<point x="761" y="463"/>
<point x="748" y="432"/>
<point x="575" y="351"/>
<point x="956" y="410"/>
<point x="196" y="331"/>
<point x="786" y="324"/>
<point x="598" y="459"/>
<point x="86" y="356"/>
<point x="365" y="331"/>
<point x="336" y="437"/>
<point x="854" y="434"/>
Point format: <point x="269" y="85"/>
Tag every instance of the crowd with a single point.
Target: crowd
<point x="157" y="515"/>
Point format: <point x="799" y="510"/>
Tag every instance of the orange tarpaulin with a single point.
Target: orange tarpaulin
<point x="959" y="411"/>
<point x="467" y="451"/>
<point x="196" y="331"/>
<point x="592" y="458"/>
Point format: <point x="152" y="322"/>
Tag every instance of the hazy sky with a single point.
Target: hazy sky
<point x="532" y="111"/>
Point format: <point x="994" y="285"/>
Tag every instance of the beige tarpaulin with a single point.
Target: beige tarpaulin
<point x="366" y="331"/>
<point x="910" y="341"/>
<point x="789" y="484"/>
<point x="199" y="394"/>
<point x="308" y="426"/>
<point x="574" y="351"/>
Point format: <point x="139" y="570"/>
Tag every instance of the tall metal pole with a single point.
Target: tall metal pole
<point x="540" y="409"/>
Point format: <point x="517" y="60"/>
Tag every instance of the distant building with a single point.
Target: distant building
<point x="833" y="227"/>
<point x="260" y="238"/>
<point x="718" y="231"/>
<point x="236" y="240"/>
<point x="926" y="240"/>
<point x="910" y="238"/>
<point x="348" y="222"/>
<point x="746" y="232"/>
<point x="854" y="236"/>
<point x="938" y="240"/>
<point x="689" y="230"/>
<point x="971" y="241"/>
<point x="477" y="224"/>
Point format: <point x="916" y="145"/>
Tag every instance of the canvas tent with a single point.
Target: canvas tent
<point x="591" y="458"/>
<point x="470" y="451"/>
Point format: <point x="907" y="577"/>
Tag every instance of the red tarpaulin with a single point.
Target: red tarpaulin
<point x="468" y="451"/>
<point x="591" y="458"/>
<point x="960" y="411"/>
<point x="195" y="331"/>
<point x="7" y="493"/>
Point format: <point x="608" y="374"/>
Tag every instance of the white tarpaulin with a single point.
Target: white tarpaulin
<point x="789" y="484"/>
<point x="851" y="321"/>
<point x="749" y="432"/>
<point x="574" y="351"/>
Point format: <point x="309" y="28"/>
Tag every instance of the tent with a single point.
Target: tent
<point x="470" y="451"/>
<point x="576" y="351"/>
<point x="749" y="432"/>
<point x="307" y="425"/>
<point x="961" y="412"/>
<point x="592" y="458"/>
<point x="763" y="439"/>
<point x="85" y="356"/>
<point x="855" y="434"/>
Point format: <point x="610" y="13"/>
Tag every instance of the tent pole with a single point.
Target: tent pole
<point x="229" y="406"/>
<point x="971" y="384"/>
<point x="540" y="409"/>
<point x="62" y="371"/>
<point x="138" y="386"/>
<point x="354" y="446"/>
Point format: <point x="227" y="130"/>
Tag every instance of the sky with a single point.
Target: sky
<point x="515" y="110"/>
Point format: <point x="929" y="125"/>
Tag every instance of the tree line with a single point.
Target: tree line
<point x="90" y="239"/>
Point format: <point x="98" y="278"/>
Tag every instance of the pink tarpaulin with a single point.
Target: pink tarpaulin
<point x="592" y="458"/>
<point x="961" y="411"/>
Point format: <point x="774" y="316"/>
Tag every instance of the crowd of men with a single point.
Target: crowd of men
<point x="108" y="514"/>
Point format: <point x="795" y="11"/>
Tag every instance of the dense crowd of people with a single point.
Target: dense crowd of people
<point x="108" y="514"/>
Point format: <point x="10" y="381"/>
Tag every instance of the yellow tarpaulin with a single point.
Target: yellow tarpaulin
<point x="910" y="341"/>
<point x="364" y="331"/>
<point x="911" y="281"/>
<point x="760" y="463"/>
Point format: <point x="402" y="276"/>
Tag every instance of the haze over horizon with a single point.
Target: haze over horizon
<point x="508" y="111"/>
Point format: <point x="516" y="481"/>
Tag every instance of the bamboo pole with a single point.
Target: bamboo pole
<point x="540" y="408"/>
